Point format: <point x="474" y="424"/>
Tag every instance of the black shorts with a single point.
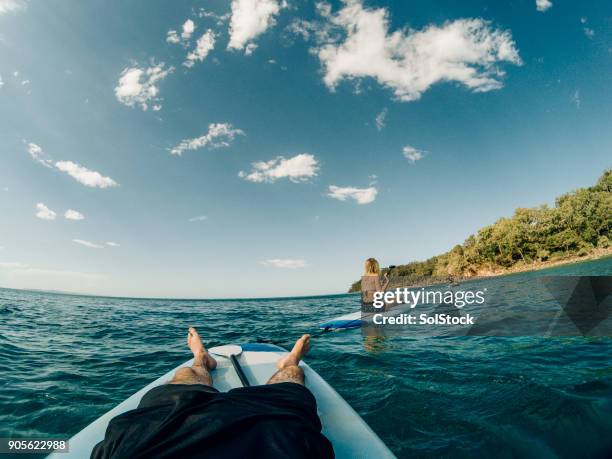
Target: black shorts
<point x="180" y="420"/>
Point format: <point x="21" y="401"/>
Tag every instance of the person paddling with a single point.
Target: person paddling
<point x="189" y="418"/>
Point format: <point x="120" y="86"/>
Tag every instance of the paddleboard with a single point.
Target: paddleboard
<point x="350" y="436"/>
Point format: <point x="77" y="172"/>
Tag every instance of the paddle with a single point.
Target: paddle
<point x="230" y="352"/>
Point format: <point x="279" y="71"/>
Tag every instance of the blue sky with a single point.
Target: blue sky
<point x="311" y="136"/>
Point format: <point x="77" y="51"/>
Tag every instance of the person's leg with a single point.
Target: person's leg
<point x="288" y="369"/>
<point x="198" y="373"/>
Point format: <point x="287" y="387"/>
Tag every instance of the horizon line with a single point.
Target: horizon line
<point x="124" y="297"/>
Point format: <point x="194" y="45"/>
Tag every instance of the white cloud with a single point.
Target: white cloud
<point x="81" y="174"/>
<point x="188" y="29"/>
<point x="576" y="100"/>
<point x="251" y="18"/>
<point x="300" y="168"/>
<point x="199" y="218"/>
<point x="220" y="18"/>
<point x="138" y="86"/>
<point x="380" y="119"/>
<point x="44" y="213"/>
<point x="301" y="28"/>
<point x="590" y="33"/>
<point x="91" y="245"/>
<point x="285" y="263"/>
<point x="39" y="155"/>
<point x="360" y="195"/>
<point x="112" y="244"/>
<point x="204" y="45"/>
<point x="409" y="62"/>
<point x="85" y="176"/>
<point x="543" y="5"/>
<point x="1" y="82"/>
<point x="172" y="37"/>
<point x="11" y="6"/>
<point x="250" y="49"/>
<point x="218" y="135"/>
<point x="73" y="215"/>
<point x="412" y="154"/>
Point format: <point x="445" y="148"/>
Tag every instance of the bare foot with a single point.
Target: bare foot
<point x="199" y="351"/>
<point x="300" y="349"/>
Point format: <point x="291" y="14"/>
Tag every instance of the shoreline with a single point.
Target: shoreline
<point x="597" y="254"/>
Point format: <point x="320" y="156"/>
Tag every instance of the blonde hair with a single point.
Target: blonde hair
<point x="372" y="266"/>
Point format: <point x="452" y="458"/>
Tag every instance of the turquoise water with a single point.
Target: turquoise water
<point x="65" y="360"/>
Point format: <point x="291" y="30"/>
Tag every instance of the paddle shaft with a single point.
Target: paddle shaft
<point x="243" y="379"/>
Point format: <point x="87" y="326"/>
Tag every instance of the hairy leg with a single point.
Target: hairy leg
<point x="199" y="372"/>
<point x="288" y="369"/>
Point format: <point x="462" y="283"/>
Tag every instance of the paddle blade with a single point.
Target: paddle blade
<point x="226" y="351"/>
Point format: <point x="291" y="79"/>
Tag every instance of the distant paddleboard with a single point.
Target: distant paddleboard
<point x="348" y="433"/>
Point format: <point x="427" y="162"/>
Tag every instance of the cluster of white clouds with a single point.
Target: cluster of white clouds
<point x="24" y="84"/>
<point x="137" y="86"/>
<point x="37" y="153"/>
<point x="219" y="135"/>
<point x="590" y="33"/>
<point x="543" y="5"/>
<point x="44" y="213"/>
<point x="351" y="44"/>
<point x="284" y="263"/>
<point x="80" y="174"/>
<point x="219" y="18"/>
<point x="300" y="168"/>
<point x="359" y="195"/>
<point x="76" y="171"/>
<point x="204" y="45"/>
<point x="188" y="29"/>
<point x="199" y="218"/>
<point x="409" y="62"/>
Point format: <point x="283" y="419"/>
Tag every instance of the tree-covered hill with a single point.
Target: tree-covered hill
<point x="578" y="225"/>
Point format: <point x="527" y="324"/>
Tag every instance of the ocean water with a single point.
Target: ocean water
<point x="65" y="360"/>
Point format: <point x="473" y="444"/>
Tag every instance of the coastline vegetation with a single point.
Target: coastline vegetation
<point x="578" y="226"/>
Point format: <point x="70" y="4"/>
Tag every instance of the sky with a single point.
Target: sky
<point x="258" y="148"/>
